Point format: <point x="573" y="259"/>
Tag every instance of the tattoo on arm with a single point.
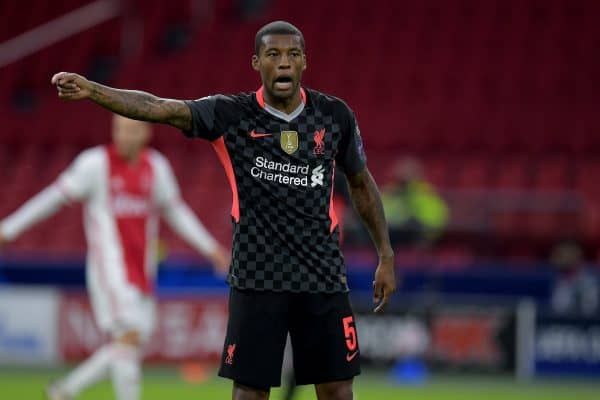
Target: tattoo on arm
<point x="143" y="106"/>
<point x="367" y="203"/>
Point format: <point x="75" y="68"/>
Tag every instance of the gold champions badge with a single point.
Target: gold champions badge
<point x="289" y="141"/>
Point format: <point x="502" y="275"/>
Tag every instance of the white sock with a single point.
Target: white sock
<point x="126" y="372"/>
<point x="89" y="372"/>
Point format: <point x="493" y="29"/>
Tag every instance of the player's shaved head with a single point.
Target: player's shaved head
<point x="129" y="136"/>
<point x="276" y="28"/>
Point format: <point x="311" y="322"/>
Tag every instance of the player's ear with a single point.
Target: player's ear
<point x="303" y="61"/>
<point x="255" y="62"/>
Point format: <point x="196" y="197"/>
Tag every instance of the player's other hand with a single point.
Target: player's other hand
<point x="3" y="240"/>
<point x="384" y="284"/>
<point x="220" y="259"/>
<point x="72" y="86"/>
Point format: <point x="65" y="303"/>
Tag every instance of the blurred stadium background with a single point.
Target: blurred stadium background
<point x="480" y="120"/>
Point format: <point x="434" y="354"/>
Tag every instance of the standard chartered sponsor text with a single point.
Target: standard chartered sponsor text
<point x="284" y="173"/>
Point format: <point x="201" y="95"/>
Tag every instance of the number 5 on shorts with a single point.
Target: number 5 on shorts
<point x="350" y="332"/>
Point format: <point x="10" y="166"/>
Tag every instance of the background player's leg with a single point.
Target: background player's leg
<point x="121" y="357"/>
<point x="97" y="366"/>
<point x="126" y="367"/>
<point x="87" y="373"/>
<point x="341" y="390"/>
<point x="241" y="392"/>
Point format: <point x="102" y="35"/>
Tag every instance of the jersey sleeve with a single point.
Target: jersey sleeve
<point x="166" y="190"/>
<point x="179" y="216"/>
<point x="351" y="157"/>
<point x="210" y="116"/>
<point x="38" y="208"/>
<point x="76" y="182"/>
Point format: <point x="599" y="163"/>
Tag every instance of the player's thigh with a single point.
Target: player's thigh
<point x="122" y="308"/>
<point x="136" y="325"/>
<point x="324" y="338"/>
<point x="103" y="303"/>
<point x="139" y="315"/>
<point x="255" y="339"/>
<point x="136" y="312"/>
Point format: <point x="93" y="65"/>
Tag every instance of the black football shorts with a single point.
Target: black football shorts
<point x="321" y="327"/>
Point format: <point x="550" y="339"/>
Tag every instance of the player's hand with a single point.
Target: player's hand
<point x="384" y="284"/>
<point x="3" y="240"/>
<point x="220" y="259"/>
<point x="72" y="86"/>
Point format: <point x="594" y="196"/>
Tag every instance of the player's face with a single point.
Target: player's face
<point x="130" y="136"/>
<point x="281" y="62"/>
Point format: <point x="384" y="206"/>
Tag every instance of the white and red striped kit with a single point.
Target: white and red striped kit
<point x="122" y="204"/>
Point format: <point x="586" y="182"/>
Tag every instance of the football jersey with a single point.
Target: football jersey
<point x="281" y="169"/>
<point x="122" y="204"/>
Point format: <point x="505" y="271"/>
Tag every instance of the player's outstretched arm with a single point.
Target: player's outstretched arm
<point x="183" y="221"/>
<point x="133" y="104"/>
<point x="367" y="203"/>
<point x="36" y="209"/>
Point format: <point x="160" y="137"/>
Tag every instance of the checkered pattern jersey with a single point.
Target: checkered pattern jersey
<point x="285" y="233"/>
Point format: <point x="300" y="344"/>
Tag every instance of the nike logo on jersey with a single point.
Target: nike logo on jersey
<point x="255" y="135"/>
<point x="350" y="357"/>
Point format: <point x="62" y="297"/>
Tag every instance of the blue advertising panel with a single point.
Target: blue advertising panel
<point x="567" y="346"/>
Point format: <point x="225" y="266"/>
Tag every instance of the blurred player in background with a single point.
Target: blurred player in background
<point x="279" y="147"/>
<point x="415" y="212"/>
<point x="124" y="187"/>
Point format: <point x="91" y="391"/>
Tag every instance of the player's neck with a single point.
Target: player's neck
<point x="286" y="106"/>
<point x="129" y="158"/>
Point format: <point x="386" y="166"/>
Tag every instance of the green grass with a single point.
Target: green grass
<point x="161" y="384"/>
